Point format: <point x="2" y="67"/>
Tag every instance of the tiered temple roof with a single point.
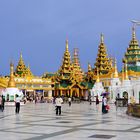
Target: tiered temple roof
<point x="28" y="71"/>
<point x="102" y="61"/>
<point x="132" y="55"/>
<point x="70" y="72"/>
<point x="77" y="71"/>
<point x="90" y="74"/>
<point x="21" y="69"/>
<point x="66" y="67"/>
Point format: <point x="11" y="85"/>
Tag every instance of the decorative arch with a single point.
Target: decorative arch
<point x="125" y="94"/>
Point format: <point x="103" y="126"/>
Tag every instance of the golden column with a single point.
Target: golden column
<point x="116" y="71"/>
<point x="126" y="72"/>
<point x="97" y="78"/>
<point x="70" y="92"/>
<point x="60" y="92"/>
<point x="11" y="82"/>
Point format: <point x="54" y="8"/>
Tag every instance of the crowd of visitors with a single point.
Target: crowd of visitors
<point x="58" y="101"/>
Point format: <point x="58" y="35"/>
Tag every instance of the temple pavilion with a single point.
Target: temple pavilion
<point x="70" y="77"/>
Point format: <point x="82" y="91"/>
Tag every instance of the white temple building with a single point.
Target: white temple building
<point x="97" y="89"/>
<point x="124" y="88"/>
<point x="11" y="91"/>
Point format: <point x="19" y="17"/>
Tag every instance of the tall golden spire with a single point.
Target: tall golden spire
<point x="11" y="82"/>
<point x="97" y="79"/>
<point x="77" y="71"/>
<point x="21" y="59"/>
<point x="126" y="72"/>
<point x="21" y="68"/>
<point x="28" y="71"/>
<point x="66" y="66"/>
<point x="116" y="71"/>
<point x="102" y="61"/>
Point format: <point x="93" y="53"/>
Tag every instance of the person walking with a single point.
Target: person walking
<point x="97" y="102"/>
<point x="58" y="102"/>
<point x="36" y="99"/>
<point x="17" y="102"/>
<point x="3" y="102"/>
<point x="104" y="104"/>
<point x="69" y="100"/>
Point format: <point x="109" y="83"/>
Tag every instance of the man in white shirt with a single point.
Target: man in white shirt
<point x="58" y="102"/>
<point x="17" y="102"/>
<point x="69" y="100"/>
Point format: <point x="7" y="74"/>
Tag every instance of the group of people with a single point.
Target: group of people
<point x="105" y="106"/>
<point x="17" y="103"/>
<point x="58" y="103"/>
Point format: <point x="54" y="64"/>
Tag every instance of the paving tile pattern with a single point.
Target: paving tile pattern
<point x="78" y="122"/>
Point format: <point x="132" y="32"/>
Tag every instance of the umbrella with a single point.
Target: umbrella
<point x="105" y="93"/>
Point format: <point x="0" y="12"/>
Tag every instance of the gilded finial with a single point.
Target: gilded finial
<point x="20" y="55"/>
<point x="133" y="33"/>
<point x="89" y="67"/>
<point x="116" y="71"/>
<point x="102" y="38"/>
<point x="97" y="79"/>
<point x="67" y="45"/>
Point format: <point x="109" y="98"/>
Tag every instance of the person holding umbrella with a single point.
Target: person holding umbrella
<point x="105" y="107"/>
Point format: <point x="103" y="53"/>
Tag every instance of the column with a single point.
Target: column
<point x="70" y="93"/>
<point x="81" y="92"/>
<point x="61" y="92"/>
<point x="78" y="92"/>
<point x="50" y="94"/>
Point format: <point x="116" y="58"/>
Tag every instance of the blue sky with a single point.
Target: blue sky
<point x="39" y="28"/>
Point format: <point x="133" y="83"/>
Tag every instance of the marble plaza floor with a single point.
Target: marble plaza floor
<point x="78" y="122"/>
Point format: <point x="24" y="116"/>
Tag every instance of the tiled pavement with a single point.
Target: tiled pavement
<point x="78" y="122"/>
